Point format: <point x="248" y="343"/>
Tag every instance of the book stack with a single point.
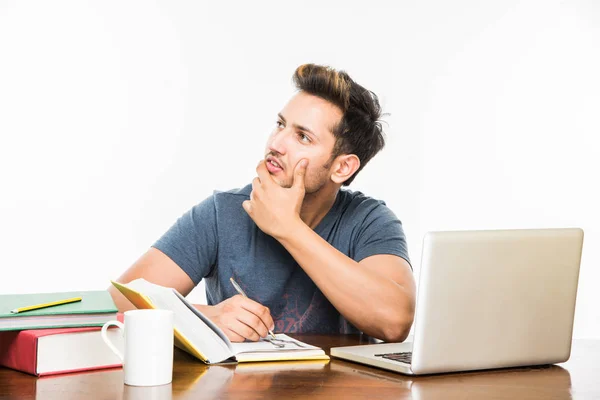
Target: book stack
<point x="58" y="339"/>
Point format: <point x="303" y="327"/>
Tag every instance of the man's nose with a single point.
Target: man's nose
<point x="278" y="142"/>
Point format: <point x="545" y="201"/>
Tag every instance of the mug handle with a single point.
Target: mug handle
<point x="107" y="340"/>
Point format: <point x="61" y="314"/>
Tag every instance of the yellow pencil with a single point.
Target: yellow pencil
<point x="44" y="305"/>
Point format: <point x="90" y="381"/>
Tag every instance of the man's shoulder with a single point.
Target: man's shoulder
<point x="354" y="208"/>
<point x="357" y="201"/>
<point x="227" y="205"/>
<point x="233" y="195"/>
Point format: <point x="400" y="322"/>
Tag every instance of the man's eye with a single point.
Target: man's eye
<point x="279" y="124"/>
<point x="303" y="138"/>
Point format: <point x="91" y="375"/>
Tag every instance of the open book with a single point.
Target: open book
<point x="199" y="336"/>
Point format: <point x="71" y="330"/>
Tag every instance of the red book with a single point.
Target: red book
<point x="59" y="351"/>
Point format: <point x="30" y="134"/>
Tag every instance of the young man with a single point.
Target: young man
<point x="312" y="257"/>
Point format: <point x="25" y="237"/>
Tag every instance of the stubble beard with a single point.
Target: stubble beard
<point x="320" y="181"/>
<point x="311" y="185"/>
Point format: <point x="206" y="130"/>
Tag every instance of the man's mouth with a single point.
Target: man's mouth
<point x="273" y="165"/>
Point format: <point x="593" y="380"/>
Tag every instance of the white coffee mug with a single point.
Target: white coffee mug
<point x="162" y="392"/>
<point x="148" y="358"/>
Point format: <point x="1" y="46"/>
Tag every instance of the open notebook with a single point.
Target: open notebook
<point x="199" y="336"/>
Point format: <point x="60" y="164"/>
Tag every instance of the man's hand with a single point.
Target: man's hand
<point x="273" y="208"/>
<point x="240" y="318"/>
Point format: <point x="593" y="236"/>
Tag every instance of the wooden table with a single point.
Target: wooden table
<point x="579" y="378"/>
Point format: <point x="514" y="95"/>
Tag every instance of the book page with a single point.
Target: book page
<point x="207" y="321"/>
<point x="263" y="345"/>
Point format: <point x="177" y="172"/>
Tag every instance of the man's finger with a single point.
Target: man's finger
<point x="234" y="337"/>
<point x="255" y="184"/>
<point x="300" y="173"/>
<point x="263" y="173"/>
<point x="241" y="329"/>
<point x="260" y="311"/>
<point x="247" y="204"/>
<point x="255" y="323"/>
<point x="256" y="189"/>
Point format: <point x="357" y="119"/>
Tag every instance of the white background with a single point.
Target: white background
<point x="117" y="117"/>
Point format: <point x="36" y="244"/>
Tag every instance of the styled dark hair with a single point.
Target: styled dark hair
<point x="360" y="131"/>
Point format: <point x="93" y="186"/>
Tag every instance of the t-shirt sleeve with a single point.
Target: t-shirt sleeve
<point x="192" y="240"/>
<point x="380" y="233"/>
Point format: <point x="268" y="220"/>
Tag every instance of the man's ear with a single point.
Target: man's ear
<point x="343" y="167"/>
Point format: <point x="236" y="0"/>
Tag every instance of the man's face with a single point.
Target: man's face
<point x="304" y="129"/>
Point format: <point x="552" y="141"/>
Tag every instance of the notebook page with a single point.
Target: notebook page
<point x="266" y="346"/>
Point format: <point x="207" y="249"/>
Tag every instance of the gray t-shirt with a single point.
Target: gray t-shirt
<point x="216" y="240"/>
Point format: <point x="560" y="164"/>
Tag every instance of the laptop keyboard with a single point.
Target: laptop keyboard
<point x="405" y="357"/>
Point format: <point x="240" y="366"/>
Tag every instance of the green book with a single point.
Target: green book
<point x="94" y="309"/>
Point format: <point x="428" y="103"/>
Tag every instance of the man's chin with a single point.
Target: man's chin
<point x="282" y="183"/>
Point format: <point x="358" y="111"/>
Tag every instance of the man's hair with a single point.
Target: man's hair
<point x="359" y="131"/>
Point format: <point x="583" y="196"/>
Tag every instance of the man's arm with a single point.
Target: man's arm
<point x="239" y="317"/>
<point x="377" y="295"/>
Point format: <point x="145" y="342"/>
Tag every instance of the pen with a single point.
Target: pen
<point x="240" y="291"/>
<point x="44" y="305"/>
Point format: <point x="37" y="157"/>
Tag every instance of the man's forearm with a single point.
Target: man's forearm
<point x="373" y="303"/>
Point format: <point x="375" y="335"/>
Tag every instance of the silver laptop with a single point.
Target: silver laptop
<point x="487" y="299"/>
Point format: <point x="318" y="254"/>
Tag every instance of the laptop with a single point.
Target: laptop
<point x="487" y="299"/>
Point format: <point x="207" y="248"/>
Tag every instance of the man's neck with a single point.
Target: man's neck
<point x="316" y="205"/>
